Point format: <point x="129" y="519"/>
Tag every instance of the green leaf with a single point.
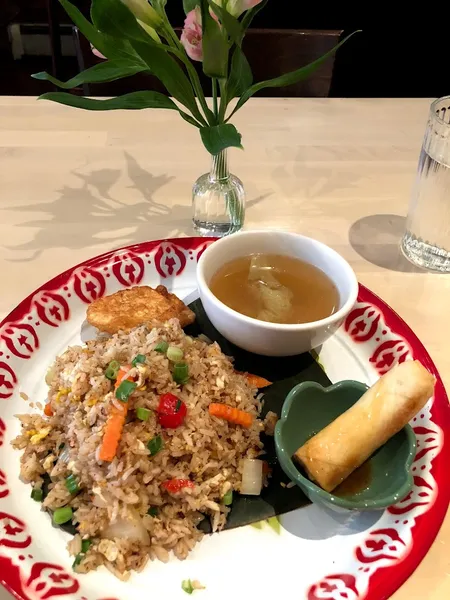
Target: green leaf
<point x="231" y="24"/>
<point x="86" y="28"/>
<point x="189" y="119"/>
<point x="104" y="44"/>
<point x="115" y="19"/>
<point x="289" y="78"/>
<point x="105" y="71"/>
<point x="194" y="80"/>
<point x="241" y="77"/>
<point x="274" y="523"/>
<point x="169" y="72"/>
<point x="215" y="45"/>
<point x="317" y="359"/>
<point x="219" y="137"/>
<point x="251" y="14"/>
<point x="189" y="5"/>
<point x="133" y="101"/>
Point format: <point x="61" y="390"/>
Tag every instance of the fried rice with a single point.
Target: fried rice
<point x="122" y="506"/>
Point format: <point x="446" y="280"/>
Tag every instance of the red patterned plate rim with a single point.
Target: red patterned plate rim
<point x="425" y="528"/>
<point x="187" y="243"/>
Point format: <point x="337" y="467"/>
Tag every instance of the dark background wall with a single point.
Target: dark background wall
<point x="402" y="50"/>
<point x="408" y="58"/>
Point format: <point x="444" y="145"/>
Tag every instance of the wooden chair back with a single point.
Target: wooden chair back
<point x="273" y="52"/>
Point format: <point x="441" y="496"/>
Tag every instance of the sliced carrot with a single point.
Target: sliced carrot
<point x="115" y="422"/>
<point x="233" y="415"/>
<point x="121" y="375"/>
<point x="48" y="411"/>
<point x="255" y="380"/>
<point x="113" y="432"/>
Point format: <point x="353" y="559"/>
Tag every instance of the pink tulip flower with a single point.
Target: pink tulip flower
<point x="191" y="37"/>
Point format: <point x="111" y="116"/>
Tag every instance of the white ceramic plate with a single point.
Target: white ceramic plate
<point x="315" y="555"/>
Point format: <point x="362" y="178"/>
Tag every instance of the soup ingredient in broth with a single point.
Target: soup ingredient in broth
<point x="334" y="453"/>
<point x="275" y="288"/>
<point x="274" y="297"/>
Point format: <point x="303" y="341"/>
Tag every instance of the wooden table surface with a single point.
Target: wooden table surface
<point x="75" y="184"/>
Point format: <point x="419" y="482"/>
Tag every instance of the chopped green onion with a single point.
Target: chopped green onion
<point x="61" y="446"/>
<point x="153" y="511"/>
<point x="174" y="354"/>
<point x="78" y="558"/>
<point x="228" y="498"/>
<point x="140" y="358"/>
<point x="155" y="445"/>
<point x="37" y="494"/>
<point x="72" y="484"/>
<point x="178" y="405"/>
<point x="112" y="369"/>
<point x="162" y="347"/>
<point x="180" y="373"/>
<point x="125" y="389"/>
<point x="85" y="545"/>
<point x="186" y="586"/>
<point x="143" y="414"/>
<point x="62" y="515"/>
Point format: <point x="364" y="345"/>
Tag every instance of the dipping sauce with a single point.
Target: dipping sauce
<point x="275" y="288"/>
<point x="356" y="482"/>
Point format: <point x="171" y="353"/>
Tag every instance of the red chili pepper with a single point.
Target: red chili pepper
<point x="173" y="486"/>
<point x="171" y="411"/>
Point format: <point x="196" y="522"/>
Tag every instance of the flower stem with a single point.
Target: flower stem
<point x="220" y="174"/>
<point x="223" y="100"/>
<point x="219" y="166"/>
<point x="214" y="93"/>
<point x="179" y="51"/>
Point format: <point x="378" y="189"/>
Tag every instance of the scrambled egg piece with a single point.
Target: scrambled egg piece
<point x="38" y="436"/>
<point x="62" y="392"/>
<point x="109" y="550"/>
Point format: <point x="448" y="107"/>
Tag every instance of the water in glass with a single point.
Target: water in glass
<point x="426" y="241"/>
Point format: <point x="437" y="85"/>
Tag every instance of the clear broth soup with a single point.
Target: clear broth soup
<point x="275" y="288"/>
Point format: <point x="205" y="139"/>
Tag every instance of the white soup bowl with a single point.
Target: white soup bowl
<point x="261" y="337"/>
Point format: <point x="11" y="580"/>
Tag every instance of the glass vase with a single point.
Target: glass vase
<point x="218" y="200"/>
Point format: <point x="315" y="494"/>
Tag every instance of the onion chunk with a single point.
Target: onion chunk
<point x="252" y="477"/>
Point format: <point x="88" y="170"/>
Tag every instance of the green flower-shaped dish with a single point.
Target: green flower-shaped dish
<point x="308" y="408"/>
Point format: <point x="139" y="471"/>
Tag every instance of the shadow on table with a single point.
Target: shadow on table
<point x="377" y="239"/>
<point x="302" y="176"/>
<point x="100" y="215"/>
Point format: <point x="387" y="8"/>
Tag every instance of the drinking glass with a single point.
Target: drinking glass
<point x="426" y="241"/>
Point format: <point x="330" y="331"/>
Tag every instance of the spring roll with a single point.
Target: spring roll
<point x="334" y="453"/>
